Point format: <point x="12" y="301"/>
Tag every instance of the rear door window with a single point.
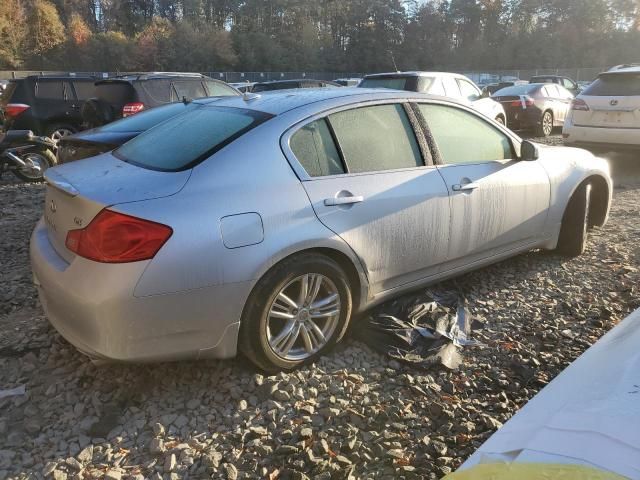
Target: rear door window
<point x="219" y="89"/>
<point x="84" y="90"/>
<point x="186" y="140"/>
<point x="467" y="90"/>
<point x="315" y="149"/>
<point x="376" y="138"/>
<point x="156" y="91"/>
<point x="189" y="89"/>
<point x="616" y="84"/>
<point x="451" y="87"/>
<point x="50" y="89"/>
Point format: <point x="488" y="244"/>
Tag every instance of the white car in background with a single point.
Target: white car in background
<point x="607" y="113"/>
<point x="451" y="85"/>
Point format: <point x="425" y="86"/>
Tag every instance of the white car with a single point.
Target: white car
<point x="445" y="84"/>
<point x="607" y="113"/>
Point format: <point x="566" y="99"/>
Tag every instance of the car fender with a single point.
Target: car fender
<point x="567" y="169"/>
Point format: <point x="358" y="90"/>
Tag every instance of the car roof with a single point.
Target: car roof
<point x="412" y="74"/>
<point x="623" y="69"/>
<point x="280" y="101"/>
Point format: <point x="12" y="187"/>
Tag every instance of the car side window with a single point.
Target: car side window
<point x="435" y="88"/>
<point x="315" y="149"/>
<point x="468" y="91"/>
<point x="463" y="137"/>
<point x="84" y="90"/>
<point x="376" y="138"/>
<point x="189" y="89"/>
<point x="566" y="83"/>
<point x="158" y="91"/>
<point x="451" y="87"/>
<point x="50" y="89"/>
<point x="219" y="89"/>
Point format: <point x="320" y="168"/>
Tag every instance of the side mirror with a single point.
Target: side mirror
<point x="485" y="93"/>
<point x="529" y="151"/>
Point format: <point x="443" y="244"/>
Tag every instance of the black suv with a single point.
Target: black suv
<point x="287" y="84"/>
<point x="127" y="95"/>
<point x="46" y="105"/>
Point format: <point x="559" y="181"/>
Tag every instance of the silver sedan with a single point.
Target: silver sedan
<point x="264" y="223"/>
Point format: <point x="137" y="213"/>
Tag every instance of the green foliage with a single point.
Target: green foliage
<point x="316" y="35"/>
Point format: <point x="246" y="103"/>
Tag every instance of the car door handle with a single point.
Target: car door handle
<point x="466" y="186"/>
<point x="332" y="202"/>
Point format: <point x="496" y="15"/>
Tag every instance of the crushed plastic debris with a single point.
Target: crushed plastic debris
<point x="423" y="329"/>
<point x="12" y="392"/>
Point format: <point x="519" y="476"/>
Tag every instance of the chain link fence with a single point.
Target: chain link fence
<point x="480" y="77"/>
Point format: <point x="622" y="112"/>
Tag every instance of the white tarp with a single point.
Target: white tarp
<point x="588" y="415"/>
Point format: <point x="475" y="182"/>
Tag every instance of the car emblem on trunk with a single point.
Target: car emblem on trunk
<point x="613" y="103"/>
<point x="52" y="206"/>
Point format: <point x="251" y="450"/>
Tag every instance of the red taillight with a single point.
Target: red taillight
<point x="579" y="104"/>
<point x="113" y="237"/>
<point x="12" y="110"/>
<point x="523" y="102"/>
<point x="132" y="108"/>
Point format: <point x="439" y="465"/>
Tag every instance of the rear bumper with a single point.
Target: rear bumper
<point x="93" y="307"/>
<point x="519" y="119"/>
<point x="601" y="138"/>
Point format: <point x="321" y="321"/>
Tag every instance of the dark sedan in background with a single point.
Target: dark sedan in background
<point x="537" y="106"/>
<point x="108" y="137"/>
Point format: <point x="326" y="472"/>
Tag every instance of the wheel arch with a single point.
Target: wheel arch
<point x="599" y="202"/>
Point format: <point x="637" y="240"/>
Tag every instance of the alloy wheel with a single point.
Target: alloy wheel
<point x="59" y="133"/>
<point x="547" y="123"/>
<point x="303" y="317"/>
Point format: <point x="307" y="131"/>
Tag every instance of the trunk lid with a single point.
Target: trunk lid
<point x="613" y="100"/>
<point x="76" y="192"/>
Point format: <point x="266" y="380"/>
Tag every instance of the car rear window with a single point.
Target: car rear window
<point x="543" y="80"/>
<point x="617" y="84"/>
<point x="396" y="83"/>
<point x="147" y="119"/>
<point x="516" y="90"/>
<point x="187" y="139"/>
<point x="264" y="87"/>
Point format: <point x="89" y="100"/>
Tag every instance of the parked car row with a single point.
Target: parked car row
<point x="57" y="106"/>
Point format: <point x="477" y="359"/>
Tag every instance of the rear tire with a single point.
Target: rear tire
<point x="546" y="125"/>
<point x="261" y="333"/>
<point x="42" y="158"/>
<point x="575" y="222"/>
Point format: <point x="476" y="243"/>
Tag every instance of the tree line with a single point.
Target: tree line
<point x="316" y="35"/>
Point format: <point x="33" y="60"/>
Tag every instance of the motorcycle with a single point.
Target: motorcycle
<point x="26" y="155"/>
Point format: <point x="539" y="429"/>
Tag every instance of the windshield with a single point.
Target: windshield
<point x="516" y="90"/>
<point x="146" y="119"/>
<point x="395" y="83"/>
<point x="187" y="139"/>
<point x="615" y="84"/>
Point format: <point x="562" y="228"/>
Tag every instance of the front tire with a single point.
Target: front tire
<point x="575" y="222"/>
<point x="295" y="313"/>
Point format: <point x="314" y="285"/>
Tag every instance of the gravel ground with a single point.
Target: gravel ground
<point x="353" y="414"/>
